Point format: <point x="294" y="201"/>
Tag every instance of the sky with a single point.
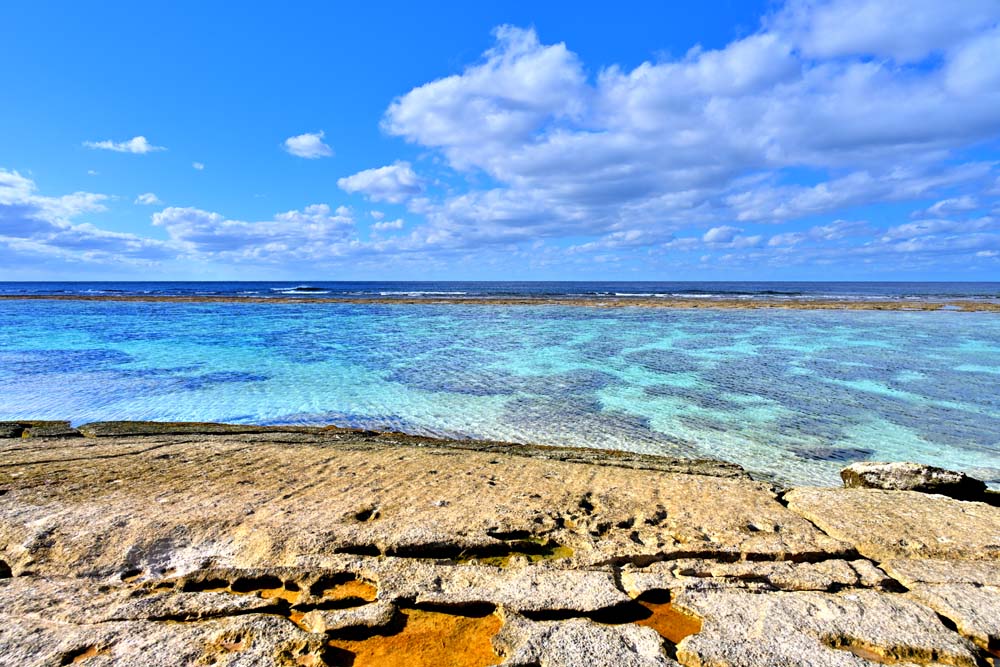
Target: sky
<point x="718" y="140"/>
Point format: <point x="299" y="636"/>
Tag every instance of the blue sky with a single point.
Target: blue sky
<point x="848" y="139"/>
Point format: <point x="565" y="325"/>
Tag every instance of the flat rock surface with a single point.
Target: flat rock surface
<point x="795" y="628"/>
<point x="885" y="525"/>
<point x="174" y="503"/>
<point x="130" y="544"/>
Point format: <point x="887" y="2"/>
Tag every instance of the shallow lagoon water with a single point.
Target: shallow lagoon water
<point x="790" y="395"/>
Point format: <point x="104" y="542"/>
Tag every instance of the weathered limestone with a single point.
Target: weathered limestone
<point x="884" y="525"/>
<point x="200" y="545"/>
<point x="521" y="589"/>
<point x="967" y="593"/>
<point x="247" y="500"/>
<point x="38" y="429"/>
<point x="901" y="476"/>
<point x="579" y="642"/>
<point x="849" y="629"/>
<point x="828" y="575"/>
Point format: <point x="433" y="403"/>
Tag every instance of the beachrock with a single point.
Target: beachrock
<point x="374" y="615"/>
<point x="975" y="610"/>
<point x="37" y="429"/>
<point x="886" y="525"/>
<point x="137" y="428"/>
<point x="523" y="589"/>
<point x="830" y="575"/>
<point x="167" y="505"/>
<point x="237" y="641"/>
<point x="912" y="477"/>
<point x="966" y="593"/>
<point x="577" y="642"/>
<point x="789" y="629"/>
<point x="911" y="572"/>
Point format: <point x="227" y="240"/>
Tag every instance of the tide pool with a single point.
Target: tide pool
<point x="790" y="395"/>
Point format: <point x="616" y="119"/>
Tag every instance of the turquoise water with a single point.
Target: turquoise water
<point x="790" y="395"/>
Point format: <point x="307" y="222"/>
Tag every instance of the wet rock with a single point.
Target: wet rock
<point x="37" y="429"/>
<point x="885" y="525"/>
<point x="850" y="629"/>
<point x="11" y="430"/>
<point x="901" y="476"/>
<point x="136" y="428"/>
<point x="577" y="642"/>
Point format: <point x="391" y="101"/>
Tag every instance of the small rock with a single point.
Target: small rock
<point x="912" y="477"/>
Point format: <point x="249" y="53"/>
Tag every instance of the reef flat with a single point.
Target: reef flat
<point x="206" y="544"/>
<point x="963" y="305"/>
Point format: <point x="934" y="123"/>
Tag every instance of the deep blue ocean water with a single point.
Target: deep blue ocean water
<point x="790" y="395"/>
<point x="438" y="289"/>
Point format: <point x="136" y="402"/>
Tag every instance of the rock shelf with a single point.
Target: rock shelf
<point x="205" y="544"/>
<point x="965" y="305"/>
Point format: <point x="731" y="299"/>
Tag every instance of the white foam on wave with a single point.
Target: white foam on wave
<point x="422" y="293"/>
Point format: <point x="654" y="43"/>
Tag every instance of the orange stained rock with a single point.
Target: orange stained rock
<point x="296" y="618"/>
<point x="90" y="652"/>
<point x="280" y="593"/>
<point x="672" y="624"/>
<point x="352" y="588"/>
<point x="431" y="639"/>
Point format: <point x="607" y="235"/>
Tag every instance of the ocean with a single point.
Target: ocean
<point x="438" y="289"/>
<point x="791" y="395"/>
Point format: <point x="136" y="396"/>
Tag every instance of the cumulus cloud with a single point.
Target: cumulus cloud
<point x="722" y="234"/>
<point x="309" y="145"/>
<point x="393" y="183"/>
<point x="148" y="199"/>
<point x="313" y="232"/>
<point x="388" y="224"/>
<point x="769" y="149"/>
<point x="36" y="225"/>
<point x="905" y="31"/>
<point x="950" y="206"/>
<point x="137" y="145"/>
<point x="711" y="136"/>
<point x="198" y="166"/>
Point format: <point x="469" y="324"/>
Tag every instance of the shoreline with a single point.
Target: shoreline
<point x="955" y="305"/>
<point x="202" y="543"/>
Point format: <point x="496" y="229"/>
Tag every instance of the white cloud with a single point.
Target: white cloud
<point x="198" y="166"/>
<point x="906" y="31"/>
<point x="388" y="224"/>
<point x="936" y="227"/>
<point x="950" y="206"/>
<point x="703" y="139"/>
<point x="314" y="232"/>
<point x="829" y="110"/>
<point x="394" y="183"/>
<point x="377" y="215"/>
<point x="309" y="145"/>
<point x="722" y="234"/>
<point x="148" y="199"/>
<point x="92" y="172"/>
<point x="137" y="145"/>
<point x="506" y="98"/>
<point x="41" y="226"/>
